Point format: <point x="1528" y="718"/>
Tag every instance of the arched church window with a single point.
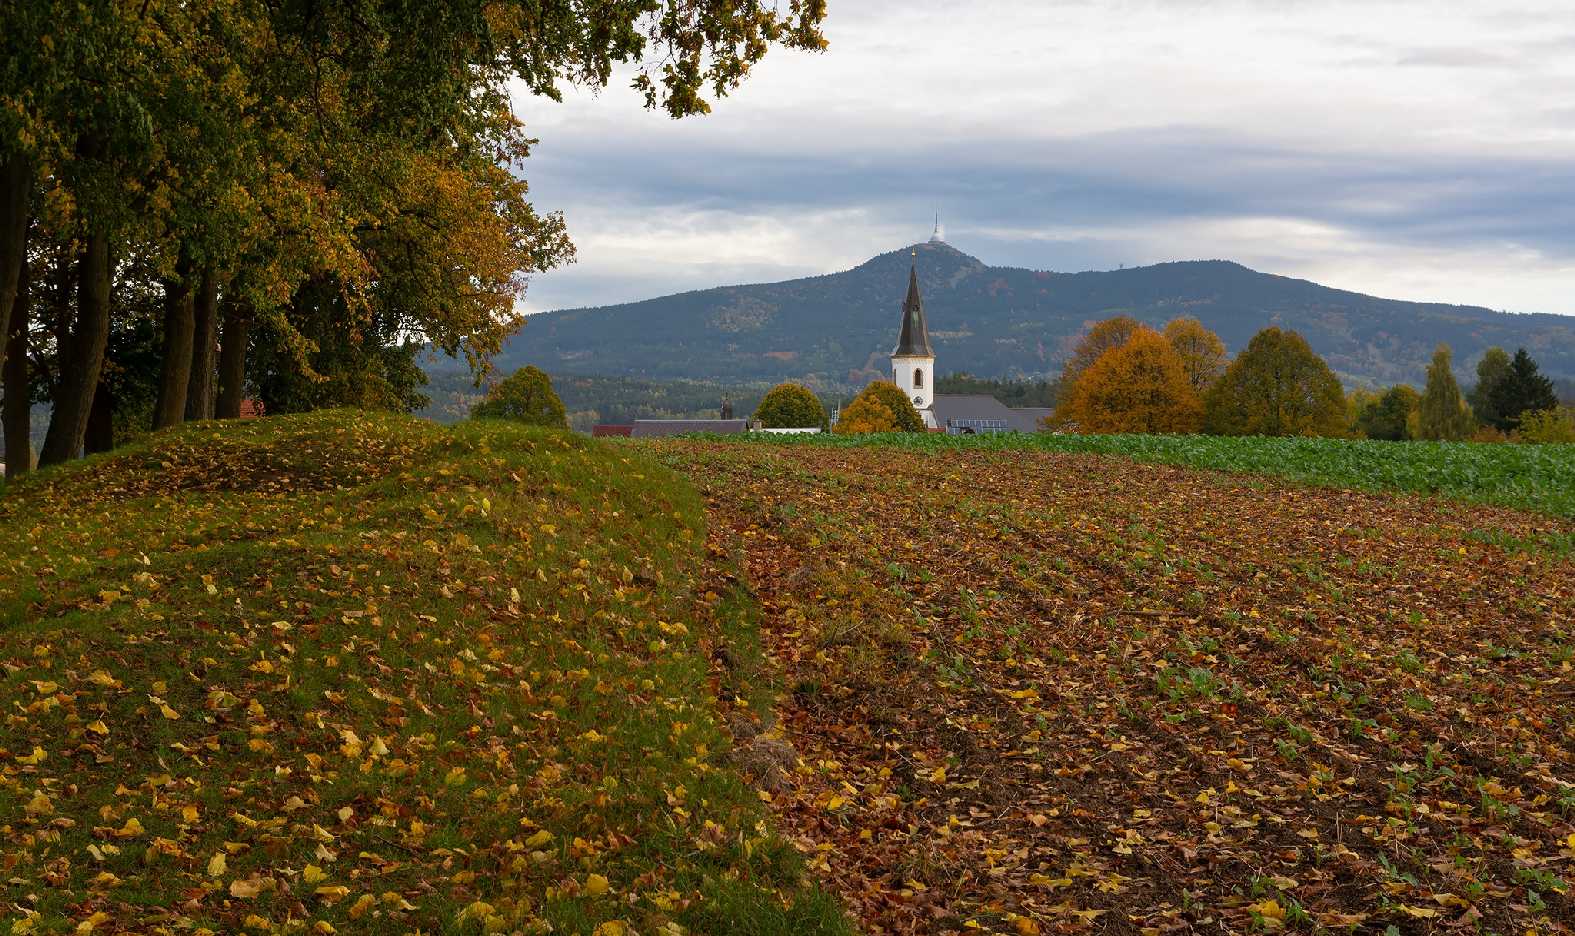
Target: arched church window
<point x="918" y="378"/>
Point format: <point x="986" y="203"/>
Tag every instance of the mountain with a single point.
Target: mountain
<point x="836" y="330"/>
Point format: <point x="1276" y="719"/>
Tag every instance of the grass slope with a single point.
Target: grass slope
<point x="365" y="673"/>
<point x="1532" y="477"/>
<point x="1064" y="693"/>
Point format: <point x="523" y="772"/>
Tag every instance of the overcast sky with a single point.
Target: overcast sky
<point x="1417" y="150"/>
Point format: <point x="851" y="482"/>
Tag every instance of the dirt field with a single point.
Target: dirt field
<point x="1036" y="693"/>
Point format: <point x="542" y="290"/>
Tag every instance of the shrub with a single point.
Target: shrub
<point x="1556" y="424"/>
<point x="1140" y="386"/>
<point x="1277" y="387"/>
<point x="790" y="406"/>
<point x="525" y="396"/>
<point x="900" y="414"/>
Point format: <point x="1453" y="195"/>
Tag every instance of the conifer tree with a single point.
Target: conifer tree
<point x="1522" y="390"/>
<point x="1444" y="414"/>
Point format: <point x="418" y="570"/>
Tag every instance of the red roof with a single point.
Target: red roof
<point x="251" y="409"/>
<point x="610" y="430"/>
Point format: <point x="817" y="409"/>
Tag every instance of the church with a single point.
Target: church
<point x="913" y="371"/>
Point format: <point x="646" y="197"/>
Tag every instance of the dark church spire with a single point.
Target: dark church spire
<point x="915" y="338"/>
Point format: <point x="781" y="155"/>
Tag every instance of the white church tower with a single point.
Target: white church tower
<point x="913" y="360"/>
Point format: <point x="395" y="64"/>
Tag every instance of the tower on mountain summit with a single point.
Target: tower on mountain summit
<point x="913" y="360"/>
<point x="938" y="236"/>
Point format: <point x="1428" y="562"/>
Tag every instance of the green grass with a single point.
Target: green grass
<point x="1531" y="477"/>
<point x="364" y="673"/>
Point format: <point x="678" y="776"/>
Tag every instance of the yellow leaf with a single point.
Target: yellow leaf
<point x="313" y="875"/>
<point x="246" y="889"/>
<point x="1269" y="909"/>
<point x="595" y="885"/>
<point x="216" y="865"/>
<point x="39" y="805"/>
<point x="87" y="925"/>
<point x="38" y="756"/>
<point x="1421" y="913"/>
<point x="169" y="713"/>
<point x="333" y="892"/>
<point x="938" y="775"/>
<point x="539" y="840"/>
<point x="363" y="904"/>
<point x="98" y="727"/>
<point x="133" y="827"/>
<point x="101" y="678"/>
<point x="612" y="928"/>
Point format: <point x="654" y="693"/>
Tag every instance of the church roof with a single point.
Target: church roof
<point x="915" y="338"/>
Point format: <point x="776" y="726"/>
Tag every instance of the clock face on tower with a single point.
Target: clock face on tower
<point x="918" y="398"/>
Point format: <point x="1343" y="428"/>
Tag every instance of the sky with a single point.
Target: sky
<point x="1411" y="150"/>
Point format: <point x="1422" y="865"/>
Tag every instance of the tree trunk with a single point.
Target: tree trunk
<point x="16" y="184"/>
<point x="100" y="435"/>
<point x="199" y="395"/>
<point x="179" y="329"/>
<point x="232" y="359"/>
<point x="82" y="358"/>
<point x="17" y="417"/>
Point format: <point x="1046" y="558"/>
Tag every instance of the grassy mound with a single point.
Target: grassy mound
<point x="364" y="673"/>
<point x="1531" y="477"/>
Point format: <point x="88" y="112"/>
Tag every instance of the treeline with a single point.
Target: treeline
<point x="202" y="204"/>
<point x="1016" y="393"/>
<point x="1125" y="377"/>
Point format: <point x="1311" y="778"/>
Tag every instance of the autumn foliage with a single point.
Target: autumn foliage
<point x="1138" y="386"/>
<point x="790" y="406"/>
<point x="880" y="407"/>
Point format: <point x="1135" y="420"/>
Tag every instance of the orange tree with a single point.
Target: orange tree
<point x="1140" y="386"/>
<point x="1276" y="387"/>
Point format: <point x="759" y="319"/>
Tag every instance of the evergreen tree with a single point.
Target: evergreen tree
<point x="1522" y="390"/>
<point x="1277" y="386"/>
<point x="1444" y="414"/>
<point x="1492" y="371"/>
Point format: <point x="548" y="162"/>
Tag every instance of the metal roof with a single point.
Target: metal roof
<point x="657" y="428"/>
<point x="915" y="338"/>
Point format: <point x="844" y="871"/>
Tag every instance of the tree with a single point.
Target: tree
<point x="790" y="406"/>
<point x="1140" y="386"/>
<point x="525" y="396"/>
<point x="343" y="173"/>
<point x="1103" y="336"/>
<point x="1202" y="353"/>
<point x="865" y="414"/>
<point x="1444" y="414"/>
<point x="1277" y="386"/>
<point x="1523" y="389"/>
<point x="1492" y="370"/>
<point x="1389" y="416"/>
<point x="907" y="419"/>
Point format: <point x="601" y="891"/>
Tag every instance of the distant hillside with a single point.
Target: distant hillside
<point x="837" y="329"/>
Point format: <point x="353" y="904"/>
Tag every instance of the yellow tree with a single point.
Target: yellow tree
<point x="1202" y="353"/>
<point x="1140" y="386"/>
<point x="865" y="414"/>
<point x="1103" y="336"/>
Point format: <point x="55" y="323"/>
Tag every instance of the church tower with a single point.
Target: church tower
<point x="913" y="360"/>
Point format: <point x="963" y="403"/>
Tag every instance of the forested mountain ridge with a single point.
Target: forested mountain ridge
<point x="837" y="329"/>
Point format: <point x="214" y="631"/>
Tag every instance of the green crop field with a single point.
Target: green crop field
<point x="1532" y="477"/>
